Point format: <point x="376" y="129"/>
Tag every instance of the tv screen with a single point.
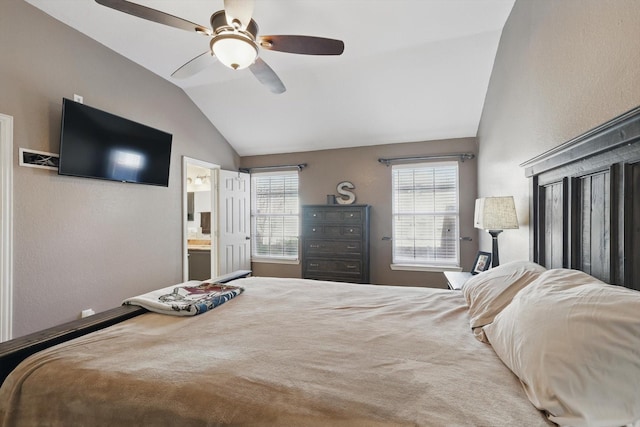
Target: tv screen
<point x="97" y="144"/>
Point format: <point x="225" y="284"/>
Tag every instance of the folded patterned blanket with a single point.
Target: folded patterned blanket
<point x="188" y="299"/>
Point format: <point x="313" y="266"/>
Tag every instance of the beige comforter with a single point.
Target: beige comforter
<point x="286" y="352"/>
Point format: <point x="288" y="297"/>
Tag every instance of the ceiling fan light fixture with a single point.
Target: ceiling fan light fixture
<point x="234" y="50"/>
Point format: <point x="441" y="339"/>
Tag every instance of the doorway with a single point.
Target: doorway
<point x="200" y="219"/>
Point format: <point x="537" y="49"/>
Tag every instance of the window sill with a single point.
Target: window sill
<point x="426" y="268"/>
<point x="276" y="261"/>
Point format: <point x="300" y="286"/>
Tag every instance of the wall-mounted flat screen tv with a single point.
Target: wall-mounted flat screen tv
<point x="97" y="144"/>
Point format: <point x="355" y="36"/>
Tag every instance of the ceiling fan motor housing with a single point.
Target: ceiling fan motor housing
<point x="219" y="24"/>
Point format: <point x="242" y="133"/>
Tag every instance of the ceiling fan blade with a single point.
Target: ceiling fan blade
<point x="267" y="76"/>
<point x="154" y="15"/>
<point x="306" y="45"/>
<point x="194" y="66"/>
<point x="239" y="10"/>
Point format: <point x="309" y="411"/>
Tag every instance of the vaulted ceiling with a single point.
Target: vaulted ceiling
<point x="412" y="70"/>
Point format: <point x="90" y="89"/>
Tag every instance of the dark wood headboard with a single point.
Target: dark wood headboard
<point x="585" y="203"/>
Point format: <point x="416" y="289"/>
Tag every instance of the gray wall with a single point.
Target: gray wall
<point x="562" y="68"/>
<point x="83" y="243"/>
<point x="372" y="180"/>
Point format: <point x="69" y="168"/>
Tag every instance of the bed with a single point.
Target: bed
<point x="333" y="354"/>
<point x="533" y="342"/>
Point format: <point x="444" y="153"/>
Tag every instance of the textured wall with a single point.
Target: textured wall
<point x="372" y="180"/>
<point x="562" y="68"/>
<point x="83" y="243"/>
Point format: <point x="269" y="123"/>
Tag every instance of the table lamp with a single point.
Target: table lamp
<point x="495" y="214"/>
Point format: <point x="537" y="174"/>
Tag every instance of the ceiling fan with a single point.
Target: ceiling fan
<point x="234" y="40"/>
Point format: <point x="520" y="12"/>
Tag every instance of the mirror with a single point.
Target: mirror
<point x="190" y="201"/>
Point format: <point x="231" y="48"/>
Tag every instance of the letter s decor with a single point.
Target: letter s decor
<point x="346" y="197"/>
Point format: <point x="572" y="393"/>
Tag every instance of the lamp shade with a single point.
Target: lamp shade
<point x="234" y="51"/>
<point x="495" y="213"/>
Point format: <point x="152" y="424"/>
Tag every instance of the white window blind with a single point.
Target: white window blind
<point x="275" y="215"/>
<point x="426" y="214"/>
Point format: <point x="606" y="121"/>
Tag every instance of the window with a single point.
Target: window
<point x="426" y="215"/>
<point x="275" y="215"/>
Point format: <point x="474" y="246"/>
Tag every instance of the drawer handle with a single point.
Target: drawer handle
<point x="351" y="215"/>
<point x="315" y="215"/>
<point x="352" y="266"/>
<point x="314" y="246"/>
<point x="352" y="247"/>
<point x="351" y="230"/>
<point x="314" y="265"/>
<point x="313" y="229"/>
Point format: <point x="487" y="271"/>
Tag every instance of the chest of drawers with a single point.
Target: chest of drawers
<point x="335" y="242"/>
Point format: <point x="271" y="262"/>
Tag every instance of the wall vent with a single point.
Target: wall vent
<point x="39" y="159"/>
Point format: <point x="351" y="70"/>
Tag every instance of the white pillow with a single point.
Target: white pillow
<point x="489" y="292"/>
<point x="574" y="343"/>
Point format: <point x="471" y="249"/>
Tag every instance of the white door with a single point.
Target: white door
<point x="234" y="221"/>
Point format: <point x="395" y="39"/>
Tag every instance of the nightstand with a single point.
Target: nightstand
<point x="456" y="279"/>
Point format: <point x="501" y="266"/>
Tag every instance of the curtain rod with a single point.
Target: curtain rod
<point x="462" y="157"/>
<point x="299" y="166"/>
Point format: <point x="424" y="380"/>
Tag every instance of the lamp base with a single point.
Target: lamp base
<point x="495" y="260"/>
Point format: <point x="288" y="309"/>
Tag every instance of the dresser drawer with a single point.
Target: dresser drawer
<point x="330" y="267"/>
<point x="332" y="231"/>
<point x="333" y="247"/>
<point x="345" y="215"/>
